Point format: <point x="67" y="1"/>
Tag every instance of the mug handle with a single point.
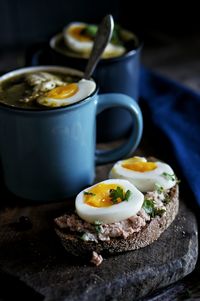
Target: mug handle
<point x="111" y="100"/>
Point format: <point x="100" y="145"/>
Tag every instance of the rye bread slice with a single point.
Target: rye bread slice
<point x="147" y="235"/>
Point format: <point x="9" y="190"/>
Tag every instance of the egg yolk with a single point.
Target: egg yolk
<point x="99" y="195"/>
<point x="76" y="32"/>
<point x="138" y="165"/>
<point x="63" y="91"/>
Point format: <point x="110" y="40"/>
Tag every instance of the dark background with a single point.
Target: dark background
<point x="23" y="22"/>
<point x="170" y="30"/>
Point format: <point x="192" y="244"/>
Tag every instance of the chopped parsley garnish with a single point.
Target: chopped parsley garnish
<point x="149" y="207"/>
<point x="168" y="176"/>
<point x="97" y="226"/>
<point x="91" y="31"/>
<point x="117" y="195"/>
<point x="172" y="177"/>
<point x="127" y="195"/>
<point x="159" y="188"/>
<point x="89" y="193"/>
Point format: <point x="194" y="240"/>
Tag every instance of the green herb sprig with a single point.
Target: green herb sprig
<point x="149" y="207"/>
<point x="91" y="31"/>
<point x="171" y="177"/>
<point x="127" y="195"/>
<point x="116" y="194"/>
<point x="168" y="176"/>
<point x="98" y="226"/>
<point x="159" y="188"/>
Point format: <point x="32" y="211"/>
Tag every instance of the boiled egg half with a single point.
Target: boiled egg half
<point x="77" y="39"/>
<point x="146" y="176"/>
<point x="109" y="201"/>
<point x="67" y="94"/>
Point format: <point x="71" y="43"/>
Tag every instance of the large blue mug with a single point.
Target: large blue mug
<point x="50" y="154"/>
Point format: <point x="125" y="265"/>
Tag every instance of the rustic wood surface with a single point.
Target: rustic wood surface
<point x="32" y="253"/>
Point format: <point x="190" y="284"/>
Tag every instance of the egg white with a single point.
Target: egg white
<point x="85" y="47"/>
<point x="144" y="181"/>
<point x="85" y="88"/>
<point x="114" y="213"/>
<point x="73" y="43"/>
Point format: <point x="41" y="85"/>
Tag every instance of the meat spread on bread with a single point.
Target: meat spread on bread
<point x="115" y="216"/>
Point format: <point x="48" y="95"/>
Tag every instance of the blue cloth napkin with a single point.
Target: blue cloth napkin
<point x="172" y="122"/>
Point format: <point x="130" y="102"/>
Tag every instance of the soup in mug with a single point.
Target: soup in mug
<point x="44" y="89"/>
<point x="77" y="41"/>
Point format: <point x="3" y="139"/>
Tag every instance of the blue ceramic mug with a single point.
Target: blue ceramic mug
<point x="50" y="154"/>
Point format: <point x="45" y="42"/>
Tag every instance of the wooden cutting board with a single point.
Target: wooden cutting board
<point x="35" y="265"/>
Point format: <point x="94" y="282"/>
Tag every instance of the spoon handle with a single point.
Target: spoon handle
<point x="102" y="38"/>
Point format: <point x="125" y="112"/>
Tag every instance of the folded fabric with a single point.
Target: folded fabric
<point x="172" y="120"/>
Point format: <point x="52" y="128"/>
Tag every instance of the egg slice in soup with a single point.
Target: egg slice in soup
<point x="109" y="201"/>
<point x="146" y="176"/>
<point x="77" y="39"/>
<point x="67" y="94"/>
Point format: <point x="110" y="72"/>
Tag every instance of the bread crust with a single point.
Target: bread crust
<point x="147" y="235"/>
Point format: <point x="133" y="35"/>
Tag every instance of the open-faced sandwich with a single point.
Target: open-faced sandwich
<point x="127" y="212"/>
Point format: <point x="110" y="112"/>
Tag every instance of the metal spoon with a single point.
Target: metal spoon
<point x="102" y="38"/>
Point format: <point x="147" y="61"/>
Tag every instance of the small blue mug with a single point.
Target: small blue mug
<point x="118" y="75"/>
<point x="50" y="154"/>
